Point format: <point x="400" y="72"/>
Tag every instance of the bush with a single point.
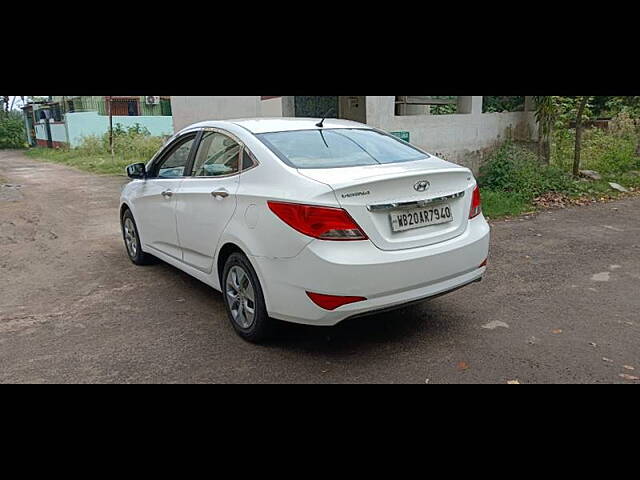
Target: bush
<point x="12" y="131"/>
<point x="134" y="142"/>
<point x="512" y="177"/>
<point x="609" y="153"/>
<point x="515" y="169"/>
<point x="623" y="125"/>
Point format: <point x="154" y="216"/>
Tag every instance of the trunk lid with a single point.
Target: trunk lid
<point x="371" y="194"/>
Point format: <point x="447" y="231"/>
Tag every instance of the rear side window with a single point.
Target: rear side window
<point x="335" y="148"/>
<point x="247" y="161"/>
<point x="218" y="155"/>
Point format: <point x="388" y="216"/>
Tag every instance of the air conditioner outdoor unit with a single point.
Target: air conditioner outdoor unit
<point x="153" y="100"/>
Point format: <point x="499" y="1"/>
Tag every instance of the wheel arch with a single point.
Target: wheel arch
<point x="123" y="208"/>
<point x="224" y="253"/>
<point x="232" y="245"/>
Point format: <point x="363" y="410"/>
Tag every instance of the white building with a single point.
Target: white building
<point x="463" y="134"/>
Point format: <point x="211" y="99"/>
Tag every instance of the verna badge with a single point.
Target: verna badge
<point x="422" y="186"/>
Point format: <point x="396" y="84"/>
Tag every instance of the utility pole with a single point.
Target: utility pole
<point x="111" y="128"/>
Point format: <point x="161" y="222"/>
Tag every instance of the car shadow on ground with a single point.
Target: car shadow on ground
<point x="425" y="321"/>
<point x="415" y="323"/>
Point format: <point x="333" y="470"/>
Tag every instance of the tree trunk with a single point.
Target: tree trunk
<point x="547" y="145"/>
<point x="540" y="140"/>
<point x="576" y="157"/>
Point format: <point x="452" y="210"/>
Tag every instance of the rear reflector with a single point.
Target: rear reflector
<point x="325" y="223"/>
<point x="331" y="302"/>
<point x="476" y="203"/>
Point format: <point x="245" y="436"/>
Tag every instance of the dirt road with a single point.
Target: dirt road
<point x="560" y="303"/>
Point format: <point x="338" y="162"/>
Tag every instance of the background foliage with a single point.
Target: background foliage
<point x="12" y="130"/>
<point x="502" y="104"/>
<point x="513" y="177"/>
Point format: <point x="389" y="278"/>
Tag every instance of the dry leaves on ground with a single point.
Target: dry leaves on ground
<point x="560" y="200"/>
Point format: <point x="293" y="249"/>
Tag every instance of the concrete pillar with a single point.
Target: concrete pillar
<point x="380" y="110"/>
<point x="476" y="105"/>
<point x="470" y="105"/>
<point x="529" y="104"/>
<point x="288" y="106"/>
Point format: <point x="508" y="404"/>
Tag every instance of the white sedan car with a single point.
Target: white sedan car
<point x="305" y="221"/>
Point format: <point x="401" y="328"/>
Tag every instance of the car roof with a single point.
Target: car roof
<point x="280" y="124"/>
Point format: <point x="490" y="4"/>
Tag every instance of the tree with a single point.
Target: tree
<point x="545" y="115"/>
<point x="582" y="103"/>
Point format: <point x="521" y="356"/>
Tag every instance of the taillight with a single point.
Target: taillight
<point x="331" y="302"/>
<point x="325" y="223"/>
<point x="476" y="203"/>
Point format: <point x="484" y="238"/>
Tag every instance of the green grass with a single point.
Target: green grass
<point x="512" y="178"/>
<point x="497" y="204"/>
<point x="94" y="163"/>
<point x="132" y="145"/>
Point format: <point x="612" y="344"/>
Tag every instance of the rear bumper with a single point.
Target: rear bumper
<point x="387" y="279"/>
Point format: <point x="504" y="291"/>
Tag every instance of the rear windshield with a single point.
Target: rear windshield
<point x="335" y="148"/>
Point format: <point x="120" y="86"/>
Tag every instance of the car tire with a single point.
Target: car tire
<point x="132" y="242"/>
<point x="244" y="300"/>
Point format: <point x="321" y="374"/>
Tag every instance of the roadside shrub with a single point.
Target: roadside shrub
<point x="12" y="130"/>
<point x="134" y="142"/>
<point x="623" y="125"/>
<point x="513" y="168"/>
<point x="131" y="144"/>
<point x="92" y="145"/>
<point x="609" y="153"/>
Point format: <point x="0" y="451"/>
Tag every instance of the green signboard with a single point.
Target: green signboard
<point x="402" y="136"/>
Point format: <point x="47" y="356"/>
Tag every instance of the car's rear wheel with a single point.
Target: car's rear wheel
<point x="132" y="240"/>
<point x="244" y="299"/>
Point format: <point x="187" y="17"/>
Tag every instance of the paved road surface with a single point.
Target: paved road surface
<point x="562" y="294"/>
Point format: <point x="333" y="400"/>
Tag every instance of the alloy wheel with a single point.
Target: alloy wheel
<point x="241" y="297"/>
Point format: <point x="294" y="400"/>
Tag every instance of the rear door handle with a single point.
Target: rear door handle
<point x="167" y="194"/>
<point x="220" y="193"/>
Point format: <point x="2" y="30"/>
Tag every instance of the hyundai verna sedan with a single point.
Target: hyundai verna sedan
<point x="306" y="222"/>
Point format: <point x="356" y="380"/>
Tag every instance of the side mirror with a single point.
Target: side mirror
<point x="137" y="171"/>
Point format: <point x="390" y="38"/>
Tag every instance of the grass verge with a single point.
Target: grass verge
<point x="94" y="163"/>
<point x="513" y="182"/>
<point x="131" y="145"/>
<point x="497" y="204"/>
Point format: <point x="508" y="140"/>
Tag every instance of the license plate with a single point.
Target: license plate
<point x="420" y="217"/>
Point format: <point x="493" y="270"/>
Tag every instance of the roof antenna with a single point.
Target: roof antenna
<point x="321" y="124"/>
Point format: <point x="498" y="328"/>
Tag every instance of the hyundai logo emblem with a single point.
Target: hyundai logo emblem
<point x="422" y="186"/>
